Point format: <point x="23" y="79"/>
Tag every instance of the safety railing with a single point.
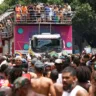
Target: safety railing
<point x="43" y="18"/>
<point x="6" y="35"/>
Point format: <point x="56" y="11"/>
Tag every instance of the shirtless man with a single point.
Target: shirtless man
<point x="41" y="85"/>
<point x="58" y="87"/>
<point x="92" y="89"/>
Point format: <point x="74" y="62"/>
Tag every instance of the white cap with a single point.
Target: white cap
<point x="18" y="57"/>
<point x="4" y="57"/>
<point x="58" y="61"/>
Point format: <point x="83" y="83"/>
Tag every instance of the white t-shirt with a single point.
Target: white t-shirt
<point x="59" y="80"/>
<point x="74" y="91"/>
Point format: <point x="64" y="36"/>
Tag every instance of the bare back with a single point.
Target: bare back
<point x="92" y="91"/>
<point x="43" y="86"/>
<point x="58" y="89"/>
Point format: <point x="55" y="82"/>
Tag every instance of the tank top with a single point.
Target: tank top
<point x="73" y="92"/>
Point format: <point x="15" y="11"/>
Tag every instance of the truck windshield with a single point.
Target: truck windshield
<point x="43" y="45"/>
<point x="48" y="43"/>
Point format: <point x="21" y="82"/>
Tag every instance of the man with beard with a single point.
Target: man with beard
<point x="69" y="80"/>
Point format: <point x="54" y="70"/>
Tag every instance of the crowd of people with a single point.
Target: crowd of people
<point x="43" y="13"/>
<point x="6" y="30"/>
<point x="48" y="75"/>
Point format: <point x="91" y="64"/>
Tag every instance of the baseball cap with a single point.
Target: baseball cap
<point x="39" y="64"/>
<point x="34" y="60"/>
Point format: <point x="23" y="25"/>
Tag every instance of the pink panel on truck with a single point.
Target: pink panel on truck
<point x="22" y="33"/>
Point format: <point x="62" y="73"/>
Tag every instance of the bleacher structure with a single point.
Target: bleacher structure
<point x="6" y="30"/>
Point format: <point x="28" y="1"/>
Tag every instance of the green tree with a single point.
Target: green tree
<point x="55" y="1"/>
<point x="91" y="2"/>
<point x="84" y="23"/>
<point x="3" y="7"/>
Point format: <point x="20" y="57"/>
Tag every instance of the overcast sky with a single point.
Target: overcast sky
<point x="1" y="1"/>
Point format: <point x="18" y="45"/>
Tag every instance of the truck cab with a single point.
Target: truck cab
<point x="46" y="42"/>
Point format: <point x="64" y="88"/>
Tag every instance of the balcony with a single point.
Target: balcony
<point x="7" y="32"/>
<point x="28" y="18"/>
<point x="6" y="35"/>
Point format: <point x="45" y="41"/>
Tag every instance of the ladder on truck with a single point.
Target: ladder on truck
<point x="50" y="28"/>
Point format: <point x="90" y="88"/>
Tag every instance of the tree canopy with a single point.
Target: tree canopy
<point x="84" y="23"/>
